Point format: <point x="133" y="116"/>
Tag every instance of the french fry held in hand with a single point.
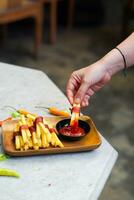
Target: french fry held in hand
<point x="75" y="115"/>
<point x="34" y="132"/>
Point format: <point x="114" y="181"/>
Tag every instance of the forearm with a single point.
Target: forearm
<point x="113" y="61"/>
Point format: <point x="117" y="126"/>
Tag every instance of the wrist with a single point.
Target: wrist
<point x="113" y="62"/>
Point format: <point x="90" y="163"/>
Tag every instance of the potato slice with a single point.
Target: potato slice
<point x="45" y="131"/>
<point x="17" y="142"/>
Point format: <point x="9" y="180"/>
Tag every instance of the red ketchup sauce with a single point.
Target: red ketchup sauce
<point x="72" y="131"/>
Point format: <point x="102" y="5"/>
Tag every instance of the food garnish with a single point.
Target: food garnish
<point x="3" y="157"/>
<point x="8" y="172"/>
<point x="55" y="111"/>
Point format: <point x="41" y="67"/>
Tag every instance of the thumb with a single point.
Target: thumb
<point x="81" y="92"/>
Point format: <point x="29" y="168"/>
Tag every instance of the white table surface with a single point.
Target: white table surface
<point x="73" y="176"/>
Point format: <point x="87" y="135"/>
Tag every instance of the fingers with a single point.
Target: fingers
<point x="79" y="87"/>
<point x="70" y="95"/>
<point x="85" y="82"/>
<point x="81" y="92"/>
<point x="78" y="92"/>
<point x="85" y="101"/>
<point x="72" y="87"/>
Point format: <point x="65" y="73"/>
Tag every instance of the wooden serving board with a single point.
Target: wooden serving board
<point x="91" y="141"/>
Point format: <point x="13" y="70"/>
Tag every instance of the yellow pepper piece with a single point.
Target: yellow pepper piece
<point x="8" y="172"/>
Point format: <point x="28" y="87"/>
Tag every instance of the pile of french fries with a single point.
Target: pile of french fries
<point x="34" y="132"/>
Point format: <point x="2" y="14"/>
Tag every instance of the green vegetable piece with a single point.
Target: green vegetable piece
<point x="3" y="157"/>
<point x="15" y="114"/>
<point x="8" y="172"/>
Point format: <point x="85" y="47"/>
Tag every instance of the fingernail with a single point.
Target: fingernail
<point x="77" y="100"/>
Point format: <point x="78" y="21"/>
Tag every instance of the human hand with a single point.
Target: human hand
<point x="83" y="83"/>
